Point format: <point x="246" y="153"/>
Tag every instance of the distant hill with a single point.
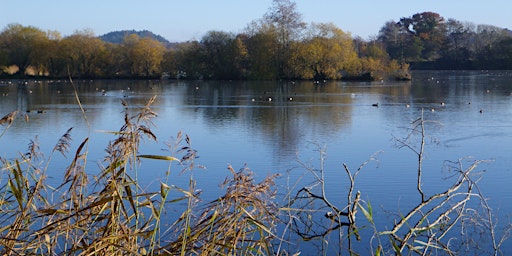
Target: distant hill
<point x="117" y="37"/>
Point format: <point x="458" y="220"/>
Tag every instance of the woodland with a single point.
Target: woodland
<point x="279" y="45"/>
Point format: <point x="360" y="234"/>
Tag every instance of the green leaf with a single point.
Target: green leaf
<point x="167" y="158"/>
<point x="367" y="213"/>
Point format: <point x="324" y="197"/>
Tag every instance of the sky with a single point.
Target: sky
<point x="190" y="19"/>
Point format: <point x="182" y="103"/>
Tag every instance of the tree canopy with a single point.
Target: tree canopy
<point x="280" y="45"/>
<point x="427" y="40"/>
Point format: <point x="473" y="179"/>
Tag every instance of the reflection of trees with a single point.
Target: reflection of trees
<point x="315" y="109"/>
<point x="42" y="101"/>
<point x="279" y="112"/>
<point x="458" y="88"/>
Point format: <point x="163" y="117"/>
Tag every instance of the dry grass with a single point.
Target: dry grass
<point x="111" y="214"/>
<point x="240" y="222"/>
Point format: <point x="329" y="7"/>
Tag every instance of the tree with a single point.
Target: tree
<point x="55" y="66"/>
<point x="492" y="47"/>
<point x="115" y="63"/>
<point x="456" y="51"/>
<point x="85" y="54"/>
<point x="415" y="38"/>
<point x="190" y="62"/>
<point x="327" y="53"/>
<point x="23" y="46"/>
<point x="288" y="24"/>
<point x="430" y="29"/>
<point x="224" y="54"/>
<point x="396" y="39"/>
<point x="144" y="56"/>
<point x="169" y="64"/>
<point x="262" y="47"/>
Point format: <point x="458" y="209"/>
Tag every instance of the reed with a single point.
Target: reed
<point x="240" y="222"/>
<point x="112" y="214"/>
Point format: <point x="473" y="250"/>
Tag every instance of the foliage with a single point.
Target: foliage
<point x="277" y="46"/>
<point x="326" y="52"/>
<point x="21" y="45"/>
<point x="225" y="55"/>
<point x="427" y="40"/>
<point x="143" y="56"/>
<point x="83" y="54"/>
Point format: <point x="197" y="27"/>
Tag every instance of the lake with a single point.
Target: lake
<point x="273" y="127"/>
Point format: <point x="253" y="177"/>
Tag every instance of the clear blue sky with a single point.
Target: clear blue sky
<point x="190" y="19"/>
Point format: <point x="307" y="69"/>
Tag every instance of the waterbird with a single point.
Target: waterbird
<point x="329" y="215"/>
<point x="375" y="104"/>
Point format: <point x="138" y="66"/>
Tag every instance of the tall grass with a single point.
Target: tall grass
<point x="112" y="214"/>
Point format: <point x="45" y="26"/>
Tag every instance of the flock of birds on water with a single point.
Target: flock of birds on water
<point x="266" y="98"/>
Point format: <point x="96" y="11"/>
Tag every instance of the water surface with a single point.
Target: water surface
<point x="271" y="126"/>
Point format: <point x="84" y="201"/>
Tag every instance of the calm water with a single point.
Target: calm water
<point x="236" y="123"/>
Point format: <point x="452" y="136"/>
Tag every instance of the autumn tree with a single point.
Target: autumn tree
<point x="54" y="65"/>
<point x="169" y="63"/>
<point x="144" y="56"/>
<point x="190" y="62"/>
<point x="114" y="61"/>
<point x="430" y="28"/>
<point x="262" y="47"/>
<point x="224" y="55"/>
<point x="288" y="25"/>
<point x="415" y="38"/>
<point x="85" y="54"/>
<point x="399" y="42"/>
<point x="456" y="51"/>
<point x="327" y="53"/>
<point x="491" y="46"/>
<point x="23" y="46"/>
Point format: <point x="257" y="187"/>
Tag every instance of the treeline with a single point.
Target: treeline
<point x="428" y="41"/>
<point x="277" y="46"/>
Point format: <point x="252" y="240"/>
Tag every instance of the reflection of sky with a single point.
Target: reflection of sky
<point x="227" y="126"/>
